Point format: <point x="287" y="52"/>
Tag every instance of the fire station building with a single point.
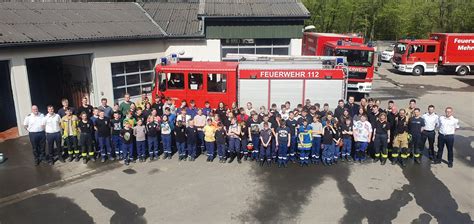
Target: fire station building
<point x="50" y="51"/>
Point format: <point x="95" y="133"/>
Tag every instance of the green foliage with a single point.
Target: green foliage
<point x="391" y="19"/>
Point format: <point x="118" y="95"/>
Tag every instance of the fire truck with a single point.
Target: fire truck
<point x="442" y="51"/>
<point x="360" y="57"/>
<point x="260" y="79"/>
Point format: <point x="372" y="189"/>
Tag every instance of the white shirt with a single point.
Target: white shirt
<point x="431" y="121"/>
<point x="285" y="116"/>
<point x="447" y="125"/>
<point x="34" y="122"/>
<point x="186" y="119"/>
<point x="362" y="131"/>
<point x="51" y="123"/>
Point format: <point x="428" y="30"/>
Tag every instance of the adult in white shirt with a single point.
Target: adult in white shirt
<point x="34" y="124"/>
<point x="431" y="122"/>
<point x="447" y="127"/>
<point x="53" y="135"/>
<point x="362" y="136"/>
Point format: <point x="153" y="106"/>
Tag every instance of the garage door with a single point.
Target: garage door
<point x="324" y="91"/>
<point x="286" y="90"/>
<point x="255" y="91"/>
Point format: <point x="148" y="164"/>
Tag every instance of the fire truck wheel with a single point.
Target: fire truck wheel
<point x="418" y="70"/>
<point x="463" y="70"/>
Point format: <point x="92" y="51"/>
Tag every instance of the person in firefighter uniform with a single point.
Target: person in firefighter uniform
<point x="283" y="138"/>
<point x="381" y="138"/>
<point x="416" y="125"/>
<point x="304" y="142"/>
<point x="233" y="134"/>
<point x="400" y="142"/>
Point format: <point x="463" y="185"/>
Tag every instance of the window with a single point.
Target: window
<point x="431" y="48"/>
<point x="133" y="77"/>
<point x="217" y="83"/>
<point x="175" y="80"/>
<point x="276" y="46"/>
<point x="417" y="49"/>
<point x="195" y="81"/>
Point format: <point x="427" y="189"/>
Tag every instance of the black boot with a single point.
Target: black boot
<point x="71" y="158"/>
<point x="417" y="160"/>
<point x="232" y="157"/>
<point x="383" y="161"/>
<point x="403" y="162"/>
<point x="394" y="161"/>
<point x="239" y="158"/>
<point x="376" y="159"/>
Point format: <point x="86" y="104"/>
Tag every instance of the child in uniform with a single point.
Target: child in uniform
<point x="166" y="129"/>
<point x="234" y="140"/>
<point x="221" y="137"/>
<point x="116" y="124"/>
<point x="304" y="142"/>
<point x="209" y="138"/>
<point x="139" y="132"/>
<point x="191" y="140"/>
<point x="265" y="144"/>
<point x="180" y="135"/>
<point x="127" y="142"/>
<point x="283" y="143"/>
<point x="317" y="131"/>
<point x="152" y="130"/>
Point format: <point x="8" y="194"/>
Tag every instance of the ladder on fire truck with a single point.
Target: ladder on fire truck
<point x="325" y="62"/>
<point x="334" y="60"/>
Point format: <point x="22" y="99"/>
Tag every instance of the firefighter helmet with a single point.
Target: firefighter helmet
<point x="250" y="147"/>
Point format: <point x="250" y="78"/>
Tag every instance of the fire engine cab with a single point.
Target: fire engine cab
<point x="360" y="57"/>
<point x="262" y="80"/>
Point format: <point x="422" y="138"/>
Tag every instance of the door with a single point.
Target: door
<point x="7" y="105"/>
<point x="173" y="85"/>
<point x="416" y="53"/>
<point x="196" y="89"/>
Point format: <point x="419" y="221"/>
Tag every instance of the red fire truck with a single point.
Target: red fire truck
<point x="360" y="57"/>
<point x="262" y="80"/>
<point x="448" y="51"/>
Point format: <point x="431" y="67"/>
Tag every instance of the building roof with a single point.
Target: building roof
<point x="176" y="18"/>
<point x="22" y="23"/>
<point x="252" y="8"/>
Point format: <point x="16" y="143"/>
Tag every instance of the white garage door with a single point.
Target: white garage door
<point x="253" y="90"/>
<point x="286" y="90"/>
<point x="325" y="91"/>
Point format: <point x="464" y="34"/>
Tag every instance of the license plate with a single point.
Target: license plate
<point x="351" y="85"/>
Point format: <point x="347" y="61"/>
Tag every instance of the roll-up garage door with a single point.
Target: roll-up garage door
<point x="286" y="90"/>
<point x="324" y="91"/>
<point x="253" y="90"/>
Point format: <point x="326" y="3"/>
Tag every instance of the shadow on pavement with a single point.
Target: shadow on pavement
<point x="284" y="192"/>
<point x="125" y="211"/>
<point x="45" y="208"/>
<point x="20" y="171"/>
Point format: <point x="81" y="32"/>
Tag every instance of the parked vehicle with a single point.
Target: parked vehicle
<point x="387" y="54"/>
<point x="260" y="79"/>
<point x="443" y="51"/>
<point x="360" y="57"/>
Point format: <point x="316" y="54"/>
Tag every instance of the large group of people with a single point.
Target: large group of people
<point x="304" y="134"/>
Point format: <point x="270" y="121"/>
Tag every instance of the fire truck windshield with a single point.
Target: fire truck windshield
<point x="357" y="57"/>
<point x="400" y="48"/>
